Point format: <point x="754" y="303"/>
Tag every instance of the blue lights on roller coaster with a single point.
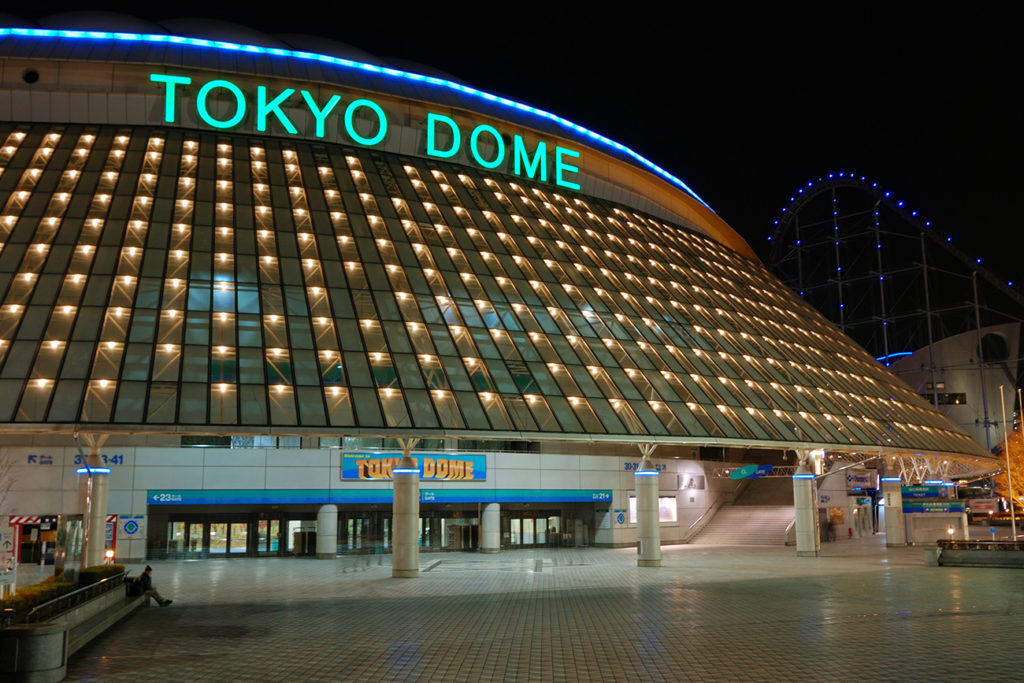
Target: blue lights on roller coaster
<point x="887" y="194"/>
<point x="397" y="74"/>
<point x="852" y="176"/>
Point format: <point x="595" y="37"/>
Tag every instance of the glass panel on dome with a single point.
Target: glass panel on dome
<point x="223" y="404"/>
<point x="34" y="400"/>
<point x="192" y="403"/>
<point x="469" y="405"/>
<point x="162" y="405"/>
<point x="496" y="411"/>
<point x="281" y="398"/>
<point x="339" y="406"/>
<point x="253" y="400"/>
<point x="131" y="399"/>
<point x="393" y="405"/>
<point x="520" y="413"/>
<point x="311" y="406"/>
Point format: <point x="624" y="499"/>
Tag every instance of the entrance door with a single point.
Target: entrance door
<point x="238" y="539"/>
<point x="268" y="536"/>
<point x="176" y="536"/>
<point x="185" y="539"/>
<point x="364" y="531"/>
<point x="531" y="528"/>
<point x="357" y="532"/>
<point x="218" y="538"/>
<point x="195" y="544"/>
<point x="528" y="538"/>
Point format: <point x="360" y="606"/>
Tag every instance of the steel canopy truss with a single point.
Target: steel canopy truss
<point x="910" y="468"/>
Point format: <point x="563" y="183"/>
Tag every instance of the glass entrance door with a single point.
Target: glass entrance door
<point x="238" y="540"/>
<point x="268" y="535"/>
<point x="195" y="545"/>
<point x="357" y="532"/>
<point x="176" y="539"/>
<point x="218" y="538"/>
<point x="531" y="528"/>
<point x="186" y="539"/>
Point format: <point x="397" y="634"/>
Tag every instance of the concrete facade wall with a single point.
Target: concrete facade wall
<point x="45" y="482"/>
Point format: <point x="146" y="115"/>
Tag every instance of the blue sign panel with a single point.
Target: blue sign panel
<point x="515" y="496"/>
<point x="266" y="496"/>
<point x="751" y="472"/>
<point x="364" y="496"/>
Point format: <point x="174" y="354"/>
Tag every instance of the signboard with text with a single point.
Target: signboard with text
<point x="933" y="506"/>
<point x="433" y="467"/>
<point x="861" y="480"/>
<point x="923" y="491"/>
<point x="7" y="539"/>
<point x="233" y="104"/>
<point x="361" y="496"/>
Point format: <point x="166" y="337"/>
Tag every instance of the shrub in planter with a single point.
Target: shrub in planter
<point x="91" y="575"/>
<point x="27" y="597"/>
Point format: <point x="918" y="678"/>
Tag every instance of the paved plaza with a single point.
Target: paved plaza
<point x="860" y="612"/>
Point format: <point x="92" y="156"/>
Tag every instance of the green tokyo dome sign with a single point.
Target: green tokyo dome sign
<point x="483" y="145"/>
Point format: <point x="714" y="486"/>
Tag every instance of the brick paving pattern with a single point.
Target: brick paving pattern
<point x="710" y="614"/>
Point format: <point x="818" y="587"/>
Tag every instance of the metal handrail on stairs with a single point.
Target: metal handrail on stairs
<point x="693" y="530"/>
<point x="791" y="533"/>
<point x="702" y="521"/>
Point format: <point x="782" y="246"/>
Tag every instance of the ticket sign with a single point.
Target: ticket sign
<point x="923" y="491"/>
<point x="432" y="467"/>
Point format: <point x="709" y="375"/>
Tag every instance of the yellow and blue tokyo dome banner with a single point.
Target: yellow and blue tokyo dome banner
<point x="432" y="466"/>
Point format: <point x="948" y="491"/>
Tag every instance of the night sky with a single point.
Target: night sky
<point x="743" y="106"/>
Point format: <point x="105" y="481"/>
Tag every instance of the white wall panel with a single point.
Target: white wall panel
<point x="178" y="457"/>
<point x="234" y="478"/>
<point x="517" y="479"/>
<point x="299" y="458"/>
<point x="560" y="479"/>
<point x="168" y="478"/>
<point x="234" y="457"/>
<point x="298" y="477"/>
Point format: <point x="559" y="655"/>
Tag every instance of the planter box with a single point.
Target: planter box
<point x="981" y="554"/>
<point x="34" y="653"/>
<point x="38" y="653"/>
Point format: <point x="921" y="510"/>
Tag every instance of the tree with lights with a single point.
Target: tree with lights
<point x="1015" y="446"/>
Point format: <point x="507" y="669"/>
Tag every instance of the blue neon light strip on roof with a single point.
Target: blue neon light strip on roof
<point x="352" y="64"/>
<point x="895" y="355"/>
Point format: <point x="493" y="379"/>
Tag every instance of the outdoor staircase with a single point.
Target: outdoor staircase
<point x="747" y="525"/>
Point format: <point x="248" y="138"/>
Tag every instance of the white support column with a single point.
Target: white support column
<point x="805" y="504"/>
<point x="327" y="532"/>
<point x="92" y="497"/>
<point x="895" y="531"/>
<point x="490" y="528"/>
<point x="405" y="516"/>
<point x="648" y="524"/>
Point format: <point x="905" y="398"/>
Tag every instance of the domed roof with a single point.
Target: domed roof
<point x="218" y="29"/>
